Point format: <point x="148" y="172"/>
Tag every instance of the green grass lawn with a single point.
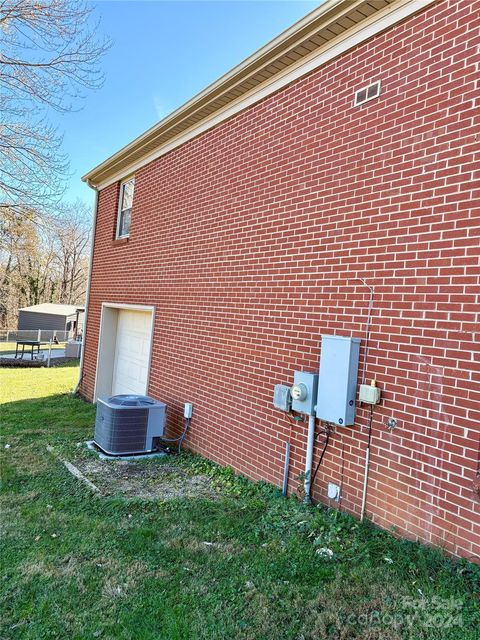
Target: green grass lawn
<point x="7" y="347"/>
<point x="245" y="565"/>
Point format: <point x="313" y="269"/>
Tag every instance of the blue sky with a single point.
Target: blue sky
<point x="163" y="53"/>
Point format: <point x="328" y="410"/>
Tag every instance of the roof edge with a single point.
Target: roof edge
<point x="307" y="19"/>
<point x="266" y="55"/>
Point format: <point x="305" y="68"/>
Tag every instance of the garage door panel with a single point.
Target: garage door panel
<point x="127" y="369"/>
<point x="132" y="352"/>
<point x="134" y="345"/>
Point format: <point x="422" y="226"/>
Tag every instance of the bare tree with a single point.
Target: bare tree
<point x="18" y="239"/>
<point x="48" y="57"/>
<point x="43" y="262"/>
<point x="35" y="284"/>
<point x="72" y="243"/>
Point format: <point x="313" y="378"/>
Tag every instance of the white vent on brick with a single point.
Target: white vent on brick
<point x="367" y="93"/>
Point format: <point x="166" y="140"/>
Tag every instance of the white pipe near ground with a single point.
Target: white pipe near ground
<point x="309" y="459"/>
<point x="74" y="471"/>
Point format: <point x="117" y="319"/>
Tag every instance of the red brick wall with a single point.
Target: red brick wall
<point x="250" y="241"/>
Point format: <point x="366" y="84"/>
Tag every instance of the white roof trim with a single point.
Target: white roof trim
<point x="384" y="19"/>
<point x="54" y="309"/>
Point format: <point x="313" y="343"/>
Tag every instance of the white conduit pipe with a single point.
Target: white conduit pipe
<point x="309" y="460"/>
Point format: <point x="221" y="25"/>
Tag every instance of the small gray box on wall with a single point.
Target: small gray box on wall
<point x="281" y="397"/>
<point x="337" y="384"/>
<point x="304" y="392"/>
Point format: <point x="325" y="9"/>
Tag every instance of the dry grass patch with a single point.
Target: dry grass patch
<point x="123" y="581"/>
<point x="361" y="608"/>
<point x="63" y="568"/>
<point x="147" y="480"/>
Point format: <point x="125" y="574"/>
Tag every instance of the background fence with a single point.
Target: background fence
<point x="42" y="335"/>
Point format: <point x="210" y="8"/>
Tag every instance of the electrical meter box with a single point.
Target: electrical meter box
<point x="281" y="397"/>
<point x="304" y="392"/>
<point x="337" y="383"/>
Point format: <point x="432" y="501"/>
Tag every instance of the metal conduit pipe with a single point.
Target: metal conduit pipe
<point x="367" y="467"/>
<point x="285" y="469"/>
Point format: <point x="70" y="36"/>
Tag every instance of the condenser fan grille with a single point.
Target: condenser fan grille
<point x="126" y="400"/>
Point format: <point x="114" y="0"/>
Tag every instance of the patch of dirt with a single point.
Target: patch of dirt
<point x="146" y="480"/>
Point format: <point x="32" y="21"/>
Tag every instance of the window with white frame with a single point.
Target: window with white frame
<point x="125" y="208"/>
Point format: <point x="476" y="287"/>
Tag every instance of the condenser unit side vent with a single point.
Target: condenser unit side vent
<point x="367" y="93"/>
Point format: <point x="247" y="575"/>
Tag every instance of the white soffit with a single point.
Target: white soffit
<point x="139" y="152"/>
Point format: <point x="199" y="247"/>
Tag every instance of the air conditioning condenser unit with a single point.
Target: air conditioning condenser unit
<point x="127" y="424"/>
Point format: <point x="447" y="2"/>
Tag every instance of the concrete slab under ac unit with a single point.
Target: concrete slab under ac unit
<point x="143" y="456"/>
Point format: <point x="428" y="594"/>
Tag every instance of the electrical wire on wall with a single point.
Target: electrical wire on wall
<point x="364" y="375"/>
<point x="367" y="328"/>
<point x="187" y="418"/>
<point x="327" y="432"/>
<point x="178" y="441"/>
<point x="342" y="470"/>
<point x="367" y="465"/>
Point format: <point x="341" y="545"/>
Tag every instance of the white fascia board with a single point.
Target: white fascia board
<point x="216" y="84"/>
<point x="384" y="20"/>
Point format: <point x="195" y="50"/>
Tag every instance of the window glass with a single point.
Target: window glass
<point x="127" y="195"/>
<point x="124" y="227"/>
<point x="125" y="208"/>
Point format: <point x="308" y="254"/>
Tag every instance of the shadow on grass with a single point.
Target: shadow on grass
<point x="244" y="567"/>
<point x="52" y="416"/>
<point x="8" y="361"/>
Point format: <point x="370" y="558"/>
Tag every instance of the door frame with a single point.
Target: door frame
<point x="107" y="339"/>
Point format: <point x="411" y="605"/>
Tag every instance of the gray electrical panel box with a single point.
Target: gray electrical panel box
<point x="304" y="392"/>
<point x="282" y="398"/>
<point x="337" y="384"/>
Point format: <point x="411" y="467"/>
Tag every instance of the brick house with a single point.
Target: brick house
<point x="234" y="233"/>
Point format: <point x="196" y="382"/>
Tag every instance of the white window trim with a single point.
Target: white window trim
<point x="119" y="210"/>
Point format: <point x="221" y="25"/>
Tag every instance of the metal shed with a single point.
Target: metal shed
<point x="54" y="317"/>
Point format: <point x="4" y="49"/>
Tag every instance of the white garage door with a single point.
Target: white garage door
<point x="132" y="352"/>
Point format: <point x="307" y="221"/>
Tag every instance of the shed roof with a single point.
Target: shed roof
<point x="54" y="309"/>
